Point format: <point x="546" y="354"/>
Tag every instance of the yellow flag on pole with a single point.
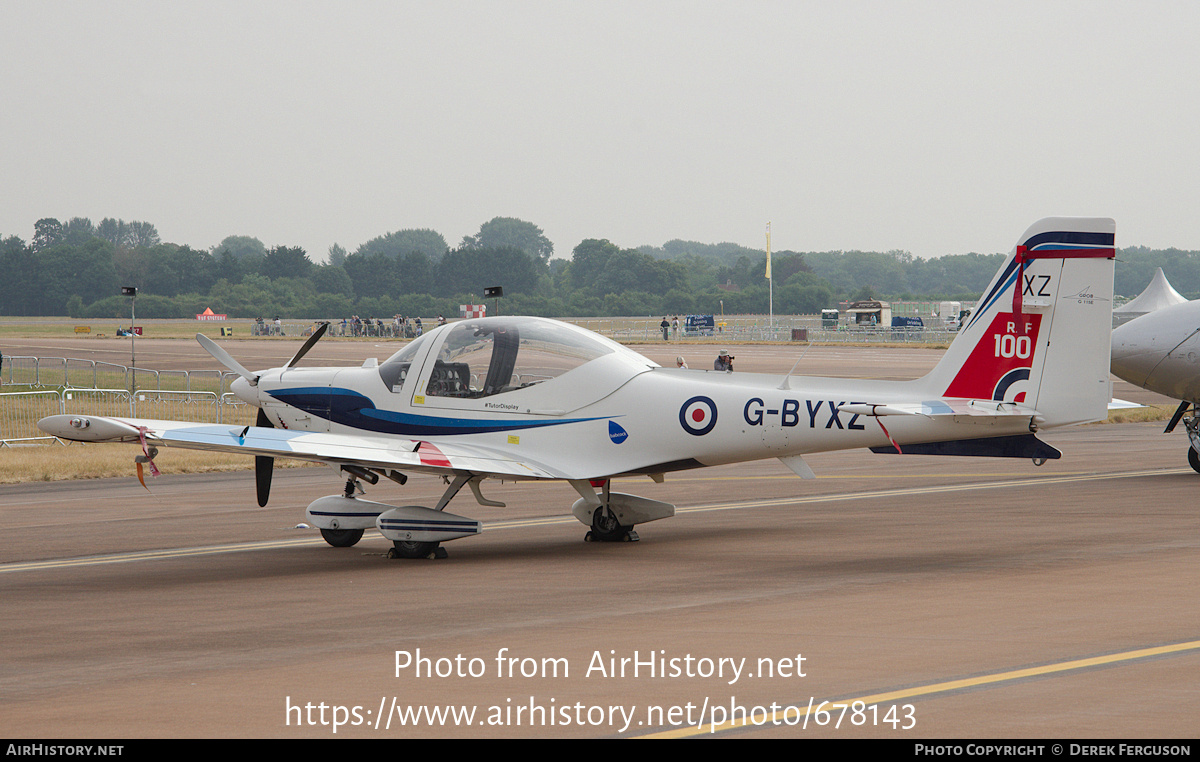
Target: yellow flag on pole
<point x="768" y="251"/>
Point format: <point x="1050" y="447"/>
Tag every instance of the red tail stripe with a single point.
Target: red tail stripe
<point x="1024" y="254"/>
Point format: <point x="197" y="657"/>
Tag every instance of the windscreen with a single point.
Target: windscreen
<point x="481" y="358"/>
<point x="394" y="370"/>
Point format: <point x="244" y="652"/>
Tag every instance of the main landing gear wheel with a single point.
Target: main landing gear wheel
<point x="606" y="528"/>
<point x="1194" y="459"/>
<point x="342" y="538"/>
<point x="409" y="549"/>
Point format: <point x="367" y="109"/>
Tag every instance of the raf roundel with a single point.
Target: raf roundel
<point x="698" y="416"/>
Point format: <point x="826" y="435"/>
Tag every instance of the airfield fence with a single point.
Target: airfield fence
<point x="761" y="328"/>
<point x="69" y="372"/>
<point x="19" y="414"/>
<point x="739" y="328"/>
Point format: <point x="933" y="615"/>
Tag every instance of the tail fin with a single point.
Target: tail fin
<point x="1039" y="335"/>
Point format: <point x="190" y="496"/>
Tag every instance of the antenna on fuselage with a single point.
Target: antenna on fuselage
<point x="784" y="386"/>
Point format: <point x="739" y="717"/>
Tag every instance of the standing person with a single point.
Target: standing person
<point x="420" y="329"/>
<point x="665" y="326"/>
<point x="724" y="361"/>
<point x="441" y="320"/>
<point x="675" y="326"/>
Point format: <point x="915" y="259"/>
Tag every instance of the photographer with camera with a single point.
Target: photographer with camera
<point x="724" y="361"/>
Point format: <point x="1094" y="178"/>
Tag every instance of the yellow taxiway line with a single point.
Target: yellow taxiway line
<point x="935" y="688"/>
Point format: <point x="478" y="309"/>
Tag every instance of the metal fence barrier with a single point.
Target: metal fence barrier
<point x="234" y="411"/>
<point x="107" y="375"/>
<point x="111" y="402"/>
<point x="202" y="407"/>
<point x="69" y="372"/>
<point x="760" y="328"/>
<point x="19" y="414"/>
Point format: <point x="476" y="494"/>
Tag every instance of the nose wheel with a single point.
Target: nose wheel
<point x="409" y="549"/>
<point x="1192" y="424"/>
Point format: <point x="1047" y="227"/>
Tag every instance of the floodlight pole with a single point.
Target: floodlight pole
<point x="770" y="281"/>
<point x="133" y="343"/>
<point x="131" y="292"/>
<point x="494" y="292"/>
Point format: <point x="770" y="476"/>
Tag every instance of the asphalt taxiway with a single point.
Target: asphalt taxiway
<point x="979" y="597"/>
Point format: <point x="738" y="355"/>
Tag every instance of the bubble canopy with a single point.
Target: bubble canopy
<point x="485" y="357"/>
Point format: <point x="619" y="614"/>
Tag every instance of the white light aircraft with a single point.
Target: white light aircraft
<point x="528" y="398"/>
<point x="1160" y="351"/>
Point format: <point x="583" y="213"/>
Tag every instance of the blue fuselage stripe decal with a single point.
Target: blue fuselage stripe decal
<point x="350" y="408"/>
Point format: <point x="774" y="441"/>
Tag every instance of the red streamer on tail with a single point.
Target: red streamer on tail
<point x="879" y="420"/>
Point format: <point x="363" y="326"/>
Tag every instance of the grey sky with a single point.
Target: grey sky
<point x="935" y="127"/>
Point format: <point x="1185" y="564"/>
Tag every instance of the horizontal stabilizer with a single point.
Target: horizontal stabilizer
<point x="1020" y="446"/>
<point x="1117" y="404"/>
<point x="962" y="409"/>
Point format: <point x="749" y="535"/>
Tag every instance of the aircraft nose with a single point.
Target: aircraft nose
<point x="242" y="389"/>
<point x="1133" y="368"/>
<point x="1135" y="353"/>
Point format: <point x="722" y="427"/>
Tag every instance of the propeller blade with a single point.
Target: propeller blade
<point x="316" y="336"/>
<point x="225" y="358"/>
<point x="263" y="465"/>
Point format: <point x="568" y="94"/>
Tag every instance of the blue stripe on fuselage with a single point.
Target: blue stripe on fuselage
<point x="350" y="408"/>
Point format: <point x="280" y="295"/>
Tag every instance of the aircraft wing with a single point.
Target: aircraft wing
<point x="362" y="450"/>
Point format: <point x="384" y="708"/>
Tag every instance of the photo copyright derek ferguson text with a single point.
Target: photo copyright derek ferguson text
<point x="706" y="713"/>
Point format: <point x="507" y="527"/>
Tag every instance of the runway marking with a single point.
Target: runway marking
<point x="154" y="555"/>
<point x="859" y="477"/>
<point x="946" y="687"/>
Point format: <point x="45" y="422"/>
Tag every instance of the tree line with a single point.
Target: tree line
<point x="77" y="268"/>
